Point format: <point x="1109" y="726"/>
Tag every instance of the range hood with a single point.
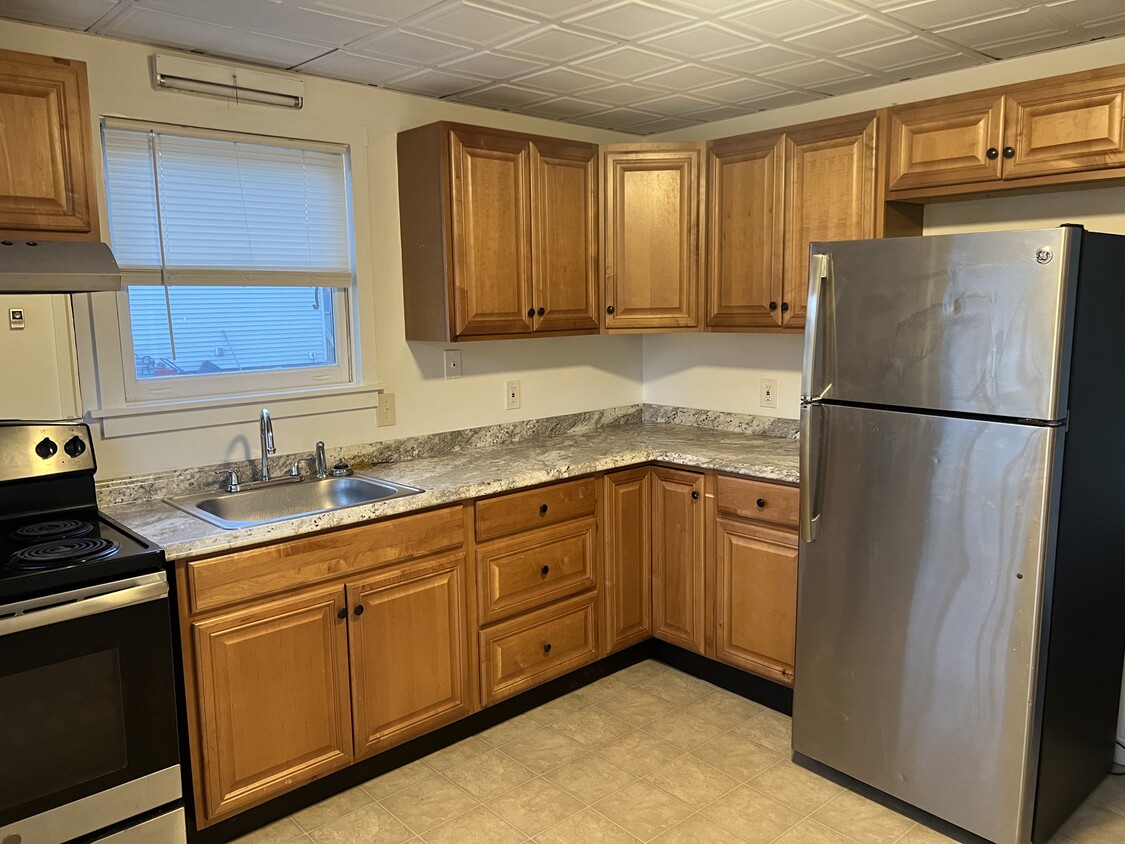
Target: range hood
<point x="54" y="266"/>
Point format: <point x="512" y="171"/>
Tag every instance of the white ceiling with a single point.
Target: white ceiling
<point x="639" y="66"/>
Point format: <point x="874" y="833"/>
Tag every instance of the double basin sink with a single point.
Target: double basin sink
<point x="288" y="499"/>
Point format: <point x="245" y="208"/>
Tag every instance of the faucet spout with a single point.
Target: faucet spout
<point x="265" y="429"/>
<point x="321" y="462"/>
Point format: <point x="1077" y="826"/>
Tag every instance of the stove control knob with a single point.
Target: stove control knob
<point x="46" y="448"/>
<point x="74" y="446"/>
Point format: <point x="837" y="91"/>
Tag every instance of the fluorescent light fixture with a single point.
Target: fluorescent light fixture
<point x="228" y="83"/>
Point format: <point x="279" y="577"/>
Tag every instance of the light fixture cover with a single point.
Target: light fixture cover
<point x="231" y="83"/>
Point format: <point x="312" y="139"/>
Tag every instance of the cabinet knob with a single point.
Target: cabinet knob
<point x="761" y="502"/>
<point x="547" y="648"/>
<point x="992" y="153"/>
<point x="546" y="570"/>
<point x="773" y="306"/>
<point x="531" y="312"/>
<point x="695" y="495"/>
<point x="358" y="609"/>
<point x="784" y="307"/>
<point x="609" y="310"/>
<point x="542" y="509"/>
<point x="342" y="613"/>
<point x="1009" y="152"/>
<point x="541" y="311"/>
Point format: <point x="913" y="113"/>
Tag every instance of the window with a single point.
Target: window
<point x="236" y="258"/>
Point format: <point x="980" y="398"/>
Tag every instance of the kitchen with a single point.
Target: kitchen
<point x="559" y="376"/>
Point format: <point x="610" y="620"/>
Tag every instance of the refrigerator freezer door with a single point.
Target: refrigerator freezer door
<point x="918" y="611"/>
<point x="967" y="323"/>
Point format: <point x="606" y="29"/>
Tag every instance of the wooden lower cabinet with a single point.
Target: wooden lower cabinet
<point x="626" y="587"/>
<point x="273" y="693"/>
<point x="409" y="652"/>
<point x="677" y="558"/>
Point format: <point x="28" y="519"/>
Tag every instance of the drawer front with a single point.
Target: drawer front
<point x="759" y="500"/>
<point x="535" y="508"/>
<point x="533" y="648"/>
<point x="271" y="569"/>
<point x="532" y="569"/>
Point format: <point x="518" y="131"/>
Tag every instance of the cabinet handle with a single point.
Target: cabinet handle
<point x="992" y="153"/>
<point x="761" y="502"/>
<point x="547" y="648"/>
<point x="541" y="311"/>
<point x="773" y="306"/>
<point x="1009" y="152"/>
<point x="609" y="310"/>
<point x="694" y="495"/>
<point x="542" y="509"/>
<point x="358" y="609"/>
<point x="342" y="613"/>
<point x="546" y="570"/>
<point x="784" y="307"/>
<point x="531" y="312"/>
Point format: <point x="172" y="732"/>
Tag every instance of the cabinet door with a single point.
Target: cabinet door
<point x="677" y="557"/>
<point x="951" y="142"/>
<point x="491" y="233"/>
<point x="564" y="185"/>
<point x="46" y="178"/>
<point x="272" y="684"/>
<point x="746" y="180"/>
<point x="1063" y="131"/>
<point x="756" y="574"/>
<point x="627" y="584"/>
<point x="831" y="190"/>
<point x="409" y="651"/>
<point x="651" y="221"/>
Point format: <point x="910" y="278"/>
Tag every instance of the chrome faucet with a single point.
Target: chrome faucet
<point x="265" y="428"/>
<point x="321" y="462"/>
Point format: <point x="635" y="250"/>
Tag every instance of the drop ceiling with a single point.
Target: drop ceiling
<point x="639" y="66"/>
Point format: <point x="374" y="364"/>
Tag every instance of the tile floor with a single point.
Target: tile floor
<point x="646" y="754"/>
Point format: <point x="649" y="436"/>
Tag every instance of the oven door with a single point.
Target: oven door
<point x="87" y="710"/>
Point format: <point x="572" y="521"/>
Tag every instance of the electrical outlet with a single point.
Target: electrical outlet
<point x="385" y="410"/>
<point x="769" y="392"/>
<point x="452" y="363"/>
<point x="512" y="395"/>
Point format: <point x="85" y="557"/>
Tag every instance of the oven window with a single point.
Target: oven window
<point x="71" y="726"/>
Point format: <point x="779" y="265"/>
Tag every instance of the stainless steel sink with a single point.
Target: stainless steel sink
<point x="278" y="501"/>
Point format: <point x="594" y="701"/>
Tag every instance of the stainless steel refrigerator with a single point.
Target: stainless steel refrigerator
<point x="961" y="604"/>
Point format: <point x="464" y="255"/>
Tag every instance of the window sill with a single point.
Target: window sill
<point x="190" y="414"/>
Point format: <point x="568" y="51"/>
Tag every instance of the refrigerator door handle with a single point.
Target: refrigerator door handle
<point x="820" y="284"/>
<point x="810" y="523"/>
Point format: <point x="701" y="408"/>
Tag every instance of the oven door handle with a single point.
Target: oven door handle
<point x="82" y="604"/>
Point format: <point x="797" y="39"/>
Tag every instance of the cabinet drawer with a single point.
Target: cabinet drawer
<point x="535" y="508"/>
<point x="533" y="648"/>
<point x="759" y="500"/>
<point x="260" y="572"/>
<point x="532" y="569"/>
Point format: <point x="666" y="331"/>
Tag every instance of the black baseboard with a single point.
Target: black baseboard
<point x="755" y="688"/>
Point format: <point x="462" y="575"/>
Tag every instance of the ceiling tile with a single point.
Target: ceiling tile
<point x="314" y="24"/>
<point x="616" y="118"/>
<point x="408" y="46"/>
<point x="688" y="76"/>
<point x="271" y="50"/>
<point x="700" y="41"/>
<point x="835" y="88"/>
<point x="1034" y="44"/>
<point x="1089" y="12"/>
<point x="546" y="8"/>
<point x="500" y="96"/>
<point x="554" y="43"/>
<point x="383" y="11"/>
<point x="677" y="104"/>
<point x="720" y="112"/>
<point x="562" y="80"/>
<point x="629" y="20"/>
<point x="626" y="63"/>
<point x="493" y="66"/>
<point x="739" y="91"/>
<point x="785" y="98"/>
<point x="563" y="108"/>
<point x="1004" y="28"/>
<point x="810" y="75"/>
<point x="786" y="17"/>
<point x="164" y="29"/>
<point x="68" y="14"/>
<point x="931" y="67"/>
<point x="623" y="93"/>
<point x="848" y="35"/>
<point x="897" y="53"/>
<point x="930" y="14"/>
<point x="436" y="83"/>
<point x="370" y="71"/>
<point x="664" y="124"/>
<point x="468" y="22"/>
<point x="759" y="59"/>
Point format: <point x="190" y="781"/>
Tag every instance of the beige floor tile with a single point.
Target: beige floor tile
<point x="456" y="754"/>
<point x="591" y="726"/>
<point x="636" y="706"/>
<point x="736" y="756"/>
<point x="543" y="749"/>
<point x="698" y="829"/>
<point x="692" y="780"/>
<point x="1109" y="795"/>
<point x="795" y="786"/>
<point x="1094" y="825"/>
<point x="682" y="731"/>
<point x="559" y="708"/>
<point x="638" y="752"/>
<point x="641" y="671"/>
<point x="677" y="688"/>
<point x="809" y="831"/>
<point x="590" y="777"/>
<point x="605" y="687"/>
<point x="398" y="779"/>
<point x="643" y="810"/>
<point x="476" y="826"/>
<point x="769" y="729"/>
<point x="586" y="827"/>
<point x="862" y="820"/>
<point x="723" y="709"/>
<point x="509" y="730"/>
<point x="428" y="804"/>
<point x="752" y="815"/>
<point x="371" y="824"/>
<point x="334" y="807"/>
<point x="535" y="806"/>
<point x="278" y="832"/>
<point x="919" y="834"/>
<point x="489" y="775"/>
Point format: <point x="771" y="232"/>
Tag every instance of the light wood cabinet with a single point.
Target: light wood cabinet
<point x="499" y="233"/>
<point x="677" y="558"/>
<point x="626" y="587"/>
<point x="650" y="219"/>
<point x="46" y="152"/>
<point x="273" y="699"/>
<point x="954" y="141"/>
<point x="772" y="194"/>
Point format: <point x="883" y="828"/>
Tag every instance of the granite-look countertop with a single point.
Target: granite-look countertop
<point x="476" y="472"/>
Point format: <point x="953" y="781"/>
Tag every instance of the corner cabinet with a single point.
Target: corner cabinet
<point x="677" y="558"/>
<point x="499" y="233"/>
<point x="46" y="151"/>
<point x="627" y="540"/>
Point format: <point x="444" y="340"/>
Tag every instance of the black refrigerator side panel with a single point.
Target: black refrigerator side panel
<point x="1087" y="622"/>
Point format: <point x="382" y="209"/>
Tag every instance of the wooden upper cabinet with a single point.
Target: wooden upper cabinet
<point x="498" y="233"/>
<point x="677" y="558"/>
<point x="46" y="153"/>
<point x="955" y="140"/>
<point x="650" y="218"/>
<point x="745" y="207"/>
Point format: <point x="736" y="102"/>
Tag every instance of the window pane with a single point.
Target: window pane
<point x="231" y="329"/>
